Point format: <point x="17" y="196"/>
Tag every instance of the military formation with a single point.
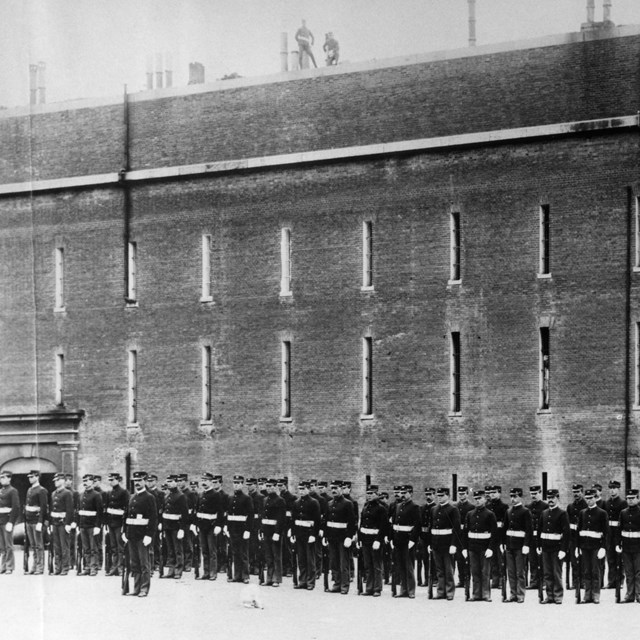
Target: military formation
<point x="321" y="536"/>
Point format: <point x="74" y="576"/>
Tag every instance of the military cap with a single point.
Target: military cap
<point x="633" y="493"/>
<point x="323" y="483"/>
<point x="140" y="475"/>
<point x="96" y="477"/>
<point x="194" y="484"/>
<point x="88" y="476"/>
<point x="238" y="478"/>
<point x="590" y="493"/>
<point x="516" y="492"/>
<point x="217" y="477"/>
<point x="6" y="473"/>
<point x="271" y="481"/>
<point x="68" y="476"/>
<point x="114" y="476"/>
<point x="152" y="476"/>
<point x="207" y="476"/>
<point x="312" y="481"/>
<point x="429" y="490"/>
<point x="282" y="481"/>
<point x="384" y="494"/>
<point x="534" y="488"/>
<point x="57" y="476"/>
<point x="397" y="487"/>
<point x="496" y="488"/>
<point x="372" y="488"/>
<point x="346" y="483"/>
<point x="614" y="484"/>
<point x="407" y="487"/>
<point x="336" y="483"/>
<point x="262" y="480"/>
<point x="463" y="489"/>
<point x="251" y="481"/>
<point x="479" y="493"/>
<point x="442" y="491"/>
<point x="577" y="487"/>
<point x="304" y="483"/>
<point x="553" y="493"/>
<point x="183" y="476"/>
<point x="596" y="485"/>
<point x="34" y="472"/>
<point x="488" y="487"/>
<point x="172" y="477"/>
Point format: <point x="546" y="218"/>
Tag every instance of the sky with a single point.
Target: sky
<point x="93" y="48"/>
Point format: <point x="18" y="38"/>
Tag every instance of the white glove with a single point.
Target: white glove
<point x="226" y="531"/>
<point x="325" y="542"/>
<point x="452" y="550"/>
<point x="488" y="553"/>
<point x="561" y="555"/>
<point x="293" y="539"/>
<point x="9" y="527"/>
<point x="216" y="530"/>
<point x="74" y="525"/>
<point x="180" y="534"/>
<point x="288" y="533"/>
<point x="411" y="544"/>
<point x="465" y="553"/>
<point x="39" y="526"/>
<point x="146" y="541"/>
<point x="601" y="553"/>
<point x="312" y="539"/>
<point x="391" y="544"/>
<point x="321" y="532"/>
<point x="67" y="528"/>
<point x="618" y="549"/>
<point x="96" y="531"/>
<point x="106" y="529"/>
<point x="347" y="543"/>
<point x="525" y="550"/>
<point x="376" y="545"/>
<point x="160" y="526"/>
<point x="194" y="529"/>
<point x="576" y="553"/>
<point x="124" y="537"/>
<point x="276" y="537"/>
<point x="539" y="550"/>
<point x="246" y="535"/>
<point x="503" y="548"/>
<point x="428" y="548"/>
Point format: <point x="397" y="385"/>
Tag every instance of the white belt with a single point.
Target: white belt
<point x="237" y="518"/>
<point x="574" y="526"/>
<point x="425" y="529"/>
<point x="141" y="521"/>
<point x="89" y="514"/>
<point x="405" y="528"/>
<point x="630" y="534"/>
<point x="58" y="514"/>
<point x="5" y="509"/>
<point x="480" y="535"/>
<point x="207" y="516"/>
<point x="171" y="516"/>
<point x="304" y="523"/>
<point x="441" y="532"/>
<point x="268" y="521"/>
<point x="115" y="512"/>
<point x="515" y="534"/>
<point x="288" y="514"/>
<point x="551" y="536"/>
<point x="32" y="509"/>
<point x="614" y="523"/>
<point x="591" y="534"/>
<point x="336" y="525"/>
<point x="500" y="525"/>
<point x="370" y="532"/>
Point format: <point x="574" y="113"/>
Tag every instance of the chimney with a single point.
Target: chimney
<point x="284" y="52"/>
<point x="606" y="11"/>
<point x="590" y="11"/>
<point x="472" y="23"/>
<point x="33" y="84"/>
<point x="41" y="83"/>
<point x="295" y="65"/>
<point x="168" y="70"/>
<point x="149" y="73"/>
<point x="196" y="73"/>
<point x="159" y="71"/>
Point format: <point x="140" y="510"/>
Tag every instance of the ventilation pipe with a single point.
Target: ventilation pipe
<point x="472" y="23"/>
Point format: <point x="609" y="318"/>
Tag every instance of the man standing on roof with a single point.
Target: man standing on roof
<point x="305" y="39"/>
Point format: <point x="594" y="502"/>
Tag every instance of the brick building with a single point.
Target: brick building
<point x="404" y="269"/>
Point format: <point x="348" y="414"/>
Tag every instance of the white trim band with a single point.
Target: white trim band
<point x="551" y="536"/>
<point x="55" y="514"/>
<point x="207" y="516"/>
<point x="630" y="534"/>
<point x="171" y="516"/>
<point x="87" y="514"/>
<point x="515" y="534"/>
<point x="304" y="523"/>
<point x="403" y="528"/>
<point x="115" y="512"/>
<point x="441" y="532"/>
<point x="269" y="522"/>
<point x="480" y="535"/>
<point x="5" y="509"/>
<point x="336" y="525"/>
<point x="233" y="518"/>
<point x="137" y="521"/>
<point x="369" y="532"/>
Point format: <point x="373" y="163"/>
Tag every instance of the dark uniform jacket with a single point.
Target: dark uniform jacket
<point x="117" y="501"/>
<point x="90" y="509"/>
<point x="573" y="511"/>
<point x="341" y="519"/>
<point x="407" y="525"/>
<point x="593" y="528"/>
<point x="444" y="527"/>
<point x="629" y="534"/>
<point x="500" y="509"/>
<point x="258" y="507"/>
<point x="209" y="510"/>
<point x="9" y="505"/>
<point x="481" y="530"/>
<point x="192" y="503"/>
<point x="553" y="530"/>
<point x="35" y="508"/>
<point x="373" y="522"/>
<point x="175" y="513"/>
<point x="240" y="513"/>
<point x="306" y="517"/>
<point x="464" y="508"/>
<point x="62" y="508"/>
<point x="324" y="503"/>
<point x="142" y="516"/>
<point x="425" y="520"/>
<point x="273" y="516"/>
<point x="518" y="527"/>
<point x="536" y="508"/>
<point x="613" y="507"/>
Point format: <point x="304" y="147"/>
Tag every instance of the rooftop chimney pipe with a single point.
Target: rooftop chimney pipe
<point x="284" y="52"/>
<point x="606" y="11"/>
<point x="591" y="8"/>
<point x="472" y="23"/>
<point x="41" y="83"/>
<point x="33" y="84"/>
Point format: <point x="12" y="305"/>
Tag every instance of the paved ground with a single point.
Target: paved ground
<point x="70" y="608"/>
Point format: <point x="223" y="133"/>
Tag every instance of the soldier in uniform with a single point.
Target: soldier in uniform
<point x="273" y="529"/>
<point x="306" y="530"/>
<point x="140" y="526"/>
<point x="444" y="537"/>
<point x="262" y="486"/>
<point x="553" y="544"/>
<point x="593" y="534"/>
<point x="346" y="492"/>
<point x="9" y="512"/>
<point x="209" y="519"/>
<point x="216" y="485"/>
<point x="175" y="524"/>
<point x="613" y="506"/>
<point x="192" y="501"/>
<point x="341" y="527"/>
<point x="238" y="530"/>
<point x="464" y="506"/>
<point x="97" y="479"/>
<point x="116" y="509"/>
<point x="386" y="555"/>
<point x="155" y="551"/>
<point x="35" y="518"/>
<point x="68" y="482"/>
<point x="90" y="511"/>
<point x="495" y="504"/>
<point x="289" y="499"/>
<point x="62" y="514"/>
<point x="323" y="502"/>
<point x="518" y="543"/>
<point x="573" y="510"/>
<point x="480" y="544"/>
<point x="536" y="507"/>
<point x="373" y="525"/>
<point x="406" y="532"/>
<point x="255" y="559"/>
<point x="628" y="544"/>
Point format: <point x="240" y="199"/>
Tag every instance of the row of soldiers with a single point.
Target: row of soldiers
<point x="262" y="525"/>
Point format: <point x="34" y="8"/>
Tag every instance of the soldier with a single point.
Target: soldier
<point x="536" y="507"/>
<point x="480" y="544"/>
<point x="553" y="544"/>
<point x="262" y="486"/>
<point x="341" y="527"/>
<point x="323" y="502"/>
<point x="289" y="499"/>
<point x="216" y="485"/>
<point x="306" y="530"/>
<point x="613" y="506"/>
<point x="90" y="511"/>
<point x="628" y="544"/>
<point x="597" y="487"/>
<point x="100" y="542"/>
<point x="273" y="524"/>
<point x="175" y="524"/>
<point x="464" y="506"/>
<point x="444" y="536"/>
<point x="35" y="517"/>
<point x="238" y="530"/>
<point x="495" y="504"/>
<point x="346" y="492"/>
<point x="593" y="534"/>
<point x="192" y="501"/>
<point x="406" y="532"/>
<point x="155" y="551"/>
<point x="209" y="519"/>
<point x="116" y="509"/>
<point x="573" y="510"/>
<point x="373" y="525"/>
<point x="9" y="512"/>
<point x="68" y="483"/>
<point x="386" y="551"/>
<point x="140" y="525"/>
<point x="255" y="559"/>
<point x="62" y="514"/>
<point x="518" y="543"/>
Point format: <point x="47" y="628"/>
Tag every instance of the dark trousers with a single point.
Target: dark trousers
<point x="240" y="554"/>
<point x="140" y="566"/>
<point x="175" y="553"/>
<point x="117" y="548"/>
<point x="273" y="559"/>
<point x="372" y="568"/>
<point x="209" y="548"/>
<point x="516" y="573"/>
<point x="534" y="578"/>
<point x="496" y="569"/>
<point x="339" y="558"/>
<point x="611" y="563"/>
<point x="480" y="568"/>
<point x="405" y="561"/>
<point x="631" y="564"/>
<point x="7" y="557"/>
<point x="591" y="574"/>
<point x="36" y="542"/>
<point x="187" y="546"/>
<point x="306" y="562"/>
<point x="89" y="549"/>
<point x="552" y="569"/>
<point x="444" y="572"/>
<point x="61" y="553"/>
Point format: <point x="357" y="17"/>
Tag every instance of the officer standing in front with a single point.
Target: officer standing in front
<point x="35" y="516"/>
<point x="628" y="544"/>
<point x="306" y="530"/>
<point x="90" y="510"/>
<point x="62" y="513"/>
<point x="518" y="541"/>
<point x="341" y="527"/>
<point x="9" y="512"/>
<point x="373" y="523"/>
<point x="238" y="530"/>
<point x="593" y="535"/>
<point x="444" y="536"/>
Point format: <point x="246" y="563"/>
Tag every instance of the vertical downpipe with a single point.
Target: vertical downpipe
<point x="125" y="193"/>
<point x="627" y="326"/>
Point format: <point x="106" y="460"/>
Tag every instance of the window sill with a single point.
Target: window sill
<point x="367" y="416"/>
<point x="204" y="299"/>
<point x="131" y="304"/>
<point x="543" y="411"/>
<point x="59" y="310"/>
<point x="636" y="269"/>
<point x="286" y="419"/>
<point x="455" y="414"/>
<point x="367" y="288"/>
<point x="544" y="276"/>
<point x="286" y="294"/>
<point x="450" y="282"/>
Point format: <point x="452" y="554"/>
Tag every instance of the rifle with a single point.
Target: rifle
<point x="618" y="576"/>
<point x="229" y="563"/>
<point x="503" y="572"/>
<point x="161" y="554"/>
<point x="108" y="565"/>
<point x="578" y="577"/>
<point x="78" y="554"/>
<point x="196" y="555"/>
<point x="394" y="590"/>
<point x="467" y="578"/>
<point x="25" y="557"/>
<point x="126" y="569"/>
<point x="260" y="559"/>
<point x="325" y="566"/>
<point x="540" y="577"/>
<point x="569" y="568"/>
<point x="360" y="570"/>
<point x="429" y="574"/>
<point x="49" y="547"/>
<point x="294" y="561"/>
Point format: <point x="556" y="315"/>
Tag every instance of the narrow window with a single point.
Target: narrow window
<point x="367" y="254"/>
<point x="367" y="376"/>
<point x="455" y="246"/>
<point x="545" y="247"/>
<point x="59" y="381"/>
<point x="637" y="363"/>
<point x="132" y="292"/>
<point x="637" y="216"/>
<point x="545" y="368"/>
<point x="133" y="386"/>
<point x="59" y="278"/>
<point x="456" y="404"/>
<point x="206" y="383"/>
<point x="285" y="259"/>
<point x="286" y="379"/>
<point x="206" y="268"/>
